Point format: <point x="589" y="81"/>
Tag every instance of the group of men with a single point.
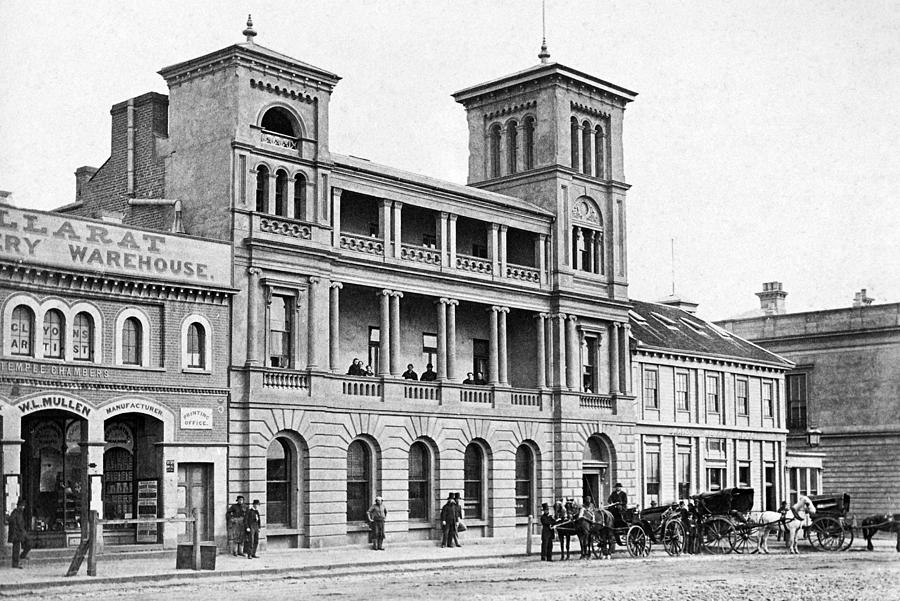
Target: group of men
<point x="243" y="528"/>
<point x="358" y="369"/>
<point x="429" y="375"/>
<point x="451" y="520"/>
<point x="569" y="512"/>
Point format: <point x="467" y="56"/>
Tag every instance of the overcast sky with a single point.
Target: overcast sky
<point x="765" y="138"/>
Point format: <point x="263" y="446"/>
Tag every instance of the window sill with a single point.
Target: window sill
<point x="420" y="525"/>
<point x="196" y="370"/>
<point x="52" y="360"/>
<point x="357" y="527"/>
<point x="278" y="531"/>
<point x="139" y="367"/>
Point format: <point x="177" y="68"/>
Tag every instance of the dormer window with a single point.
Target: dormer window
<point x="279" y="121"/>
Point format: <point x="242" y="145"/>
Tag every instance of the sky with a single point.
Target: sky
<point x="765" y="140"/>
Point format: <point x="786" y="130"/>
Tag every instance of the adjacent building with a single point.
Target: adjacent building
<point x="842" y="395"/>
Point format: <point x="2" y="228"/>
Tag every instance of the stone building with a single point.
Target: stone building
<point x="842" y="395"/>
<point x="113" y="375"/>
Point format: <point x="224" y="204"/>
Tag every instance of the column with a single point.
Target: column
<point x="540" y="256"/>
<point x="441" y="367"/>
<point x="576" y="245"/>
<point x="573" y="355"/>
<point x="442" y="238"/>
<point x="452" y="239"/>
<point x="625" y="347"/>
<point x="335" y="216"/>
<point x="559" y="376"/>
<point x="334" y="326"/>
<point x="504" y="154"/>
<point x="493" y="361"/>
<point x="595" y="384"/>
<point x="580" y="165"/>
<point x="384" y="225"/>
<point x="396" y="368"/>
<point x="520" y="147"/>
<point x="384" y="335"/>
<point x="451" y="339"/>
<point x="312" y="351"/>
<point x="598" y="252"/>
<point x="398" y="206"/>
<point x="589" y="248"/>
<point x="541" y="347"/>
<point x="253" y="316"/>
<point x="289" y="198"/>
<point x="494" y="249"/>
<point x="593" y="143"/>
<point x="502" y="243"/>
<point x="502" y="358"/>
<point x="270" y="205"/>
<point x="614" y="358"/>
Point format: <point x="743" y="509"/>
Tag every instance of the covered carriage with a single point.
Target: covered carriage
<point x="832" y="528"/>
<point x="722" y="519"/>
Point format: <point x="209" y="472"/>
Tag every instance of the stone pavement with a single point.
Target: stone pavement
<point x="160" y="566"/>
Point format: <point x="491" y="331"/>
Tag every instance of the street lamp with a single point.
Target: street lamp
<point x="813" y="437"/>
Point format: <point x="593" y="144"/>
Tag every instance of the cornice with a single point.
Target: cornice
<point x="723" y="361"/>
<point x="510" y="109"/>
<point x="282" y="91"/>
<point x="114" y="387"/>
<point x="589" y="110"/>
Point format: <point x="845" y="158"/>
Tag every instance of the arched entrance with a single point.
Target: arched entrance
<point x="597" y="467"/>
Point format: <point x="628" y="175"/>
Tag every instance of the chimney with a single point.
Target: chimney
<point x="5" y="197"/>
<point x="673" y="300"/>
<point x="82" y="176"/>
<point x="861" y="299"/>
<point x="771" y="299"/>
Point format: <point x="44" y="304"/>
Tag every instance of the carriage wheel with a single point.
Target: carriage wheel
<point x="597" y="544"/>
<point x="673" y="537"/>
<point x="848" y="536"/>
<point x="827" y="534"/>
<point x="740" y="539"/>
<point x="637" y="541"/>
<point x="714" y="536"/>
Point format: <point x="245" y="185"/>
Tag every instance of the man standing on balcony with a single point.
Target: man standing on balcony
<point x="430" y="375"/>
<point x="410" y="373"/>
<point x="479" y="379"/>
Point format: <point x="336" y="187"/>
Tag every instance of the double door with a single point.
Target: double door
<point x="195" y="492"/>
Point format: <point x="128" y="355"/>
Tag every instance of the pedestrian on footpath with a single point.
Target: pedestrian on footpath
<point x="237" y="515"/>
<point x="448" y="522"/>
<point x="547" y="534"/>
<point x="376" y="515"/>
<point x="458" y="507"/>
<point x="18" y="535"/>
<point x="252" y="524"/>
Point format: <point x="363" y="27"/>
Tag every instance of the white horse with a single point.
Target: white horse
<point x="771" y="521"/>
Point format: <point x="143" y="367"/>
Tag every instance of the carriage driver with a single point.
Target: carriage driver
<point x="618" y="496"/>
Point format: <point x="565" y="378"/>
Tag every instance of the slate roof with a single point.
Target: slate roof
<point x="657" y="326"/>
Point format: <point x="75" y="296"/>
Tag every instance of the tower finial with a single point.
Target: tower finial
<point x="249" y="32"/>
<point x="544" y="54"/>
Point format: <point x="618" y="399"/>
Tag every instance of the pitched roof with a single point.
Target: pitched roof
<point x="657" y="326"/>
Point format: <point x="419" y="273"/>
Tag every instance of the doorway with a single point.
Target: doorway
<point x="194" y="492"/>
<point x="595" y="470"/>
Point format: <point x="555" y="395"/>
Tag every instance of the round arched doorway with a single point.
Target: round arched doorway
<point x="597" y="468"/>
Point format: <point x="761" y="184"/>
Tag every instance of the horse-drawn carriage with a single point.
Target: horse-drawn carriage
<point x="722" y="525"/>
<point x="831" y="528"/>
<point x="638" y="531"/>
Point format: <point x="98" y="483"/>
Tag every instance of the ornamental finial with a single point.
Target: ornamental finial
<point x="544" y="54"/>
<point x="249" y="32"/>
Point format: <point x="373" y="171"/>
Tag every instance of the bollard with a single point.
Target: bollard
<point x="195" y="564"/>
<point x="94" y="533"/>
<point x="528" y="539"/>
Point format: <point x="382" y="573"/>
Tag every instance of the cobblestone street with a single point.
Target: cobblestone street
<point x="844" y="576"/>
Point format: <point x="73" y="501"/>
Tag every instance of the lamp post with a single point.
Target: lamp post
<point x="813" y="437"/>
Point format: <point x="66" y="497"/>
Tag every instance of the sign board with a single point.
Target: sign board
<point x="56" y="240"/>
<point x="196" y="418"/>
<point x="54" y="401"/>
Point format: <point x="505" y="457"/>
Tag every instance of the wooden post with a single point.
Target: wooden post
<point x="195" y="514"/>
<point x="528" y="539"/>
<point x="94" y="533"/>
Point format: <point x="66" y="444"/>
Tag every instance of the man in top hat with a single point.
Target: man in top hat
<point x="547" y="523"/>
<point x="18" y="535"/>
<point x="429" y="375"/>
<point x="376" y="516"/>
<point x="458" y="506"/>
<point x="448" y="522"/>
<point x="237" y="514"/>
<point x="252" y="523"/>
<point x="618" y="496"/>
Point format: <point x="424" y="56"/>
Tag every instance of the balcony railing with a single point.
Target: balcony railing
<point x="420" y="254"/>
<point x="285" y="379"/>
<point x="594" y="401"/>
<point x="526" y="399"/>
<point x="273" y="139"/>
<point x="425" y="392"/>
<point x="523" y="273"/>
<point x="361" y="388"/>
<point x="362" y="244"/>
<point x="475" y="264"/>
<point x="285" y="227"/>
<point x="469" y="395"/>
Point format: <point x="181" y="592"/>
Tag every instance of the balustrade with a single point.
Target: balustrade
<point x="422" y="392"/>
<point x="523" y="273"/>
<point x="468" y="395"/>
<point x="526" y="399"/>
<point x="273" y="139"/>
<point x="361" y="388"/>
<point x="362" y="244"/>
<point x="285" y="379"/>
<point x="420" y="254"/>
<point x="285" y="227"/>
<point x="592" y="401"/>
<point x="475" y="264"/>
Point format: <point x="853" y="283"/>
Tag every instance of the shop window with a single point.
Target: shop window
<point x="53" y="328"/>
<point x="279" y="472"/>
<point x="524" y="481"/>
<point x="419" y="482"/>
<point x="652" y="475"/>
<point x="359" y="480"/>
<point x="21" y="331"/>
<point x="83" y="337"/>
<point x="473" y="482"/>
<point x="684" y="473"/>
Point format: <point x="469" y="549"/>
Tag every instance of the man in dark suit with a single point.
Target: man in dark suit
<point x="253" y="522"/>
<point x="448" y="522"/>
<point x="237" y="515"/>
<point x="458" y="507"/>
<point x="18" y="535"/>
<point x="547" y="533"/>
<point x="618" y="496"/>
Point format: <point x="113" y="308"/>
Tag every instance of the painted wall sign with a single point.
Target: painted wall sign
<point x="132" y="406"/>
<point x="54" y="401"/>
<point x="196" y="418"/>
<point x="66" y="371"/>
<point x="105" y="248"/>
<point x="118" y="435"/>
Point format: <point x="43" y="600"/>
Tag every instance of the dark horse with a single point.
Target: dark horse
<point x="595" y="526"/>
<point x="563" y="530"/>
<point x="885" y="523"/>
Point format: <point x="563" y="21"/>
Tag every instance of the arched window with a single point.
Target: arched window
<point x="83" y="337"/>
<point x="495" y="150"/>
<point x="262" y="189"/>
<point x="512" y="143"/>
<point x="419" y="481"/>
<point x="21" y="330"/>
<point x="132" y="341"/>
<point x="279" y="121"/>
<point x="528" y="142"/>
<point x="299" y="196"/>
<point x="279" y="476"/>
<point x="587" y="236"/>
<point x="473" y="482"/>
<point x="524" y="481"/>
<point x="586" y="145"/>
<point x="196" y="346"/>
<point x="599" y="152"/>
<point x="574" y="141"/>
<point x="359" y="480"/>
<point x="54" y="340"/>
<point x="280" y="193"/>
